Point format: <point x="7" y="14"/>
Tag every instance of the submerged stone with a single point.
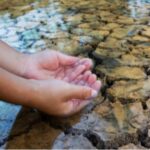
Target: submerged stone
<point x="128" y="91"/>
<point x="123" y="72"/>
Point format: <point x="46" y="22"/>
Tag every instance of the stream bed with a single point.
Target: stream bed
<point x="115" y="34"/>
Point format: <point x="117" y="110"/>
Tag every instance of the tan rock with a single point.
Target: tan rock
<point x="84" y="25"/>
<point x="103" y="110"/>
<point x="102" y="53"/>
<point x="74" y="20"/>
<point x="148" y="103"/>
<point x="110" y="43"/>
<point x="110" y="26"/>
<point x="68" y="46"/>
<point x="119" y="113"/>
<point x="139" y="38"/>
<point x="137" y="116"/>
<point x="120" y="33"/>
<point x="125" y="20"/>
<point x="128" y="91"/>
<point x="88" y="32"/>
<point x="132" y="60"/>
<point x="146" y="32"/>
<point x="141" y="51"/>
<point x="122" y="72"/>
<point x="104" y="33"/>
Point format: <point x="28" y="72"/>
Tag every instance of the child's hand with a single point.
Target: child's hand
<point x="60" y="98"/>
<point x="52" y="64"/>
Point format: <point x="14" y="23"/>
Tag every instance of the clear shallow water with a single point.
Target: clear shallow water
<point x="138" y="8"/>
<point x="39" y="24"/>
<point x="52" y="25"/>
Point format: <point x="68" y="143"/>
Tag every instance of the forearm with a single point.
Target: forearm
<point x="11" y="60"/>
<point x="15" y="89"/>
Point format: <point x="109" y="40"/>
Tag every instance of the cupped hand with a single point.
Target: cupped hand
<point x="52" y="64"/>
<point x="59" y="98"/>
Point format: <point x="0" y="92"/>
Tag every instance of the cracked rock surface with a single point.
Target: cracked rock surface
<point x="115" y="34"/>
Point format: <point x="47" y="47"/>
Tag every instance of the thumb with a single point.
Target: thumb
<point x="81" y="92"/>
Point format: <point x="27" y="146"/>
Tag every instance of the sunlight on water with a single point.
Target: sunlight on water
<point x="138" y="8"/>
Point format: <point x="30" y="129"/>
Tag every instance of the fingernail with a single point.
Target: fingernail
<point x="93" y="94"/>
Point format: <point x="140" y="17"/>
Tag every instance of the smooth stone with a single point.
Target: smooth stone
<point x="110" y="26"/>
<point x="141" y="51"/>
<point x="123" y="72"/>
<point x="128" y="91"/>
<point x="88" y="32"/>
<point x="120" y="33"/>
<point x="125" y="20"/>
<point x="114" y="44"/>
<point x="102" y="53"/>
<point x="72" y="142"/>
<point x="138" y="118"/>
<point x="72" y="47"/>
<point x="132" y="60"/>
<point x="146" y="32"/>
<point x="74" y="20"/>
<point x="84" y="25"/>
<point x="139" y="38"/>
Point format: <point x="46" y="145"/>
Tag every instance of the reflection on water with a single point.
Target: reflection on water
<point x="38" y="24"/>
<point x="139" y="8"/>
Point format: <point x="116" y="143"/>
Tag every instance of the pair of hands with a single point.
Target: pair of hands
<point x="63" y="84"/>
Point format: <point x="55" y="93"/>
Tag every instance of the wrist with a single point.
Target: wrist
<point x="23" y="64"/>
<point x="30" y="92"/>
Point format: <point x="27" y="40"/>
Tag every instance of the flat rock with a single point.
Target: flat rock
<point x="139" y="38"/>
<point x="125" y="20"/>
<point x="113" y="43"/>
<point x="68" y="46"/>
<point x="133" y="60"/>
<point x="124" y="72"/>
<point x="146" y="32"/>
<point x="72" y="142"/>
<point x="121" y="33"/>
<point x="88" y="32"/>
<point x="128" y="91"/>
<point x="103" y="53"/>
<point x="142" y="51"/>
<point x="110" y="26"/>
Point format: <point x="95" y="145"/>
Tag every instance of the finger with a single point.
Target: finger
<point x="77" y="80"/>
<point x="66" y="59"/>
<point x="76" y="72"/>
<point x="87" y="62"/>
<point x="97" y="85"/>
<point x="86" y="75"/>
<point x="91" y="79"/>
<point x="80" y="92"/>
